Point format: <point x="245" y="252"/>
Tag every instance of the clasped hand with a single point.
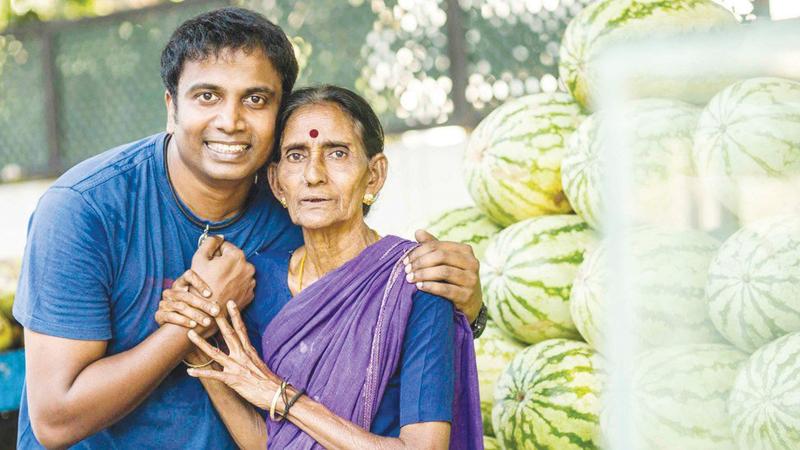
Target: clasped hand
<point x="219" y="273"/>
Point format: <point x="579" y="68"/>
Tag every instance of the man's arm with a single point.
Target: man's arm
<point x="74" y="390"/>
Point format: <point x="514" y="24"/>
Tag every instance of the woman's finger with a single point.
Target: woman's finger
<point x="241" y="331"/>
<point x="230" y="337"/>
<point x="213" y="352"/>
<point x="211" y="375"/>
<point x="174" y="318"/>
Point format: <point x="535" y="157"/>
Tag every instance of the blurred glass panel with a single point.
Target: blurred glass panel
<point x="695" y="290"/>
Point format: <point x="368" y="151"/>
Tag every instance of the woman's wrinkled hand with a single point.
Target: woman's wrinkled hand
<point x="242" y="368"/>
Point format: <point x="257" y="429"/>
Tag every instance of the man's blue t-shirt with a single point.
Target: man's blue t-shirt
<point x="420" y="390"/>
<point x="105" y="240"/>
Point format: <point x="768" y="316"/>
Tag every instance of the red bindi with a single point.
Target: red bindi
<point x="313" y="133"/>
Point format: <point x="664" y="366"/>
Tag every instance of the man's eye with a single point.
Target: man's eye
<point x="257" y="100"/>
<point x="207" y="96"/>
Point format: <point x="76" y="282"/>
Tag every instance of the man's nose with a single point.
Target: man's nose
<point x="229" y="118"/>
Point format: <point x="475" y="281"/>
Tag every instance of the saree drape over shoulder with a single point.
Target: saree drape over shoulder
<point x="341" y="339"/>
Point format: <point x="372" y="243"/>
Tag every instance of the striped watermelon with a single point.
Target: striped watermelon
<point x="658" y="134"/>
<point x="494" y="350"/>
<point x="548" y="398"/>
<point x="754" y="283"/>
<point x="764" y="404"/>
<point x="527" y="275"/>
<point x="749" y="135"/>
<point x="467" y="225"/>
<point x="605" y="23"/>
<point x="679" y="397"/>
<point x="668" y="269"/>
<point x="513" y="160"/>
<point x="490" y="443"/>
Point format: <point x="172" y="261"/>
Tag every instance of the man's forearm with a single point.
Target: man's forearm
<point x="109" y="388"/>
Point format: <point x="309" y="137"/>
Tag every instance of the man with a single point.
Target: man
<point x="117" y="229"/>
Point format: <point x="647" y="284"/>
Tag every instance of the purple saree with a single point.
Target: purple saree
<point x="341" y="339"/>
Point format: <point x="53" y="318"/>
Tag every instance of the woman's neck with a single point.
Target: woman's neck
<point x="329" y="248"/>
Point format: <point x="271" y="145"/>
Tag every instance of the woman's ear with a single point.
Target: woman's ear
<point x="378" y="170"/>
<point x="272" y="177"/>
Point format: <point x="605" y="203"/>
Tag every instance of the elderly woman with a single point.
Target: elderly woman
<point x="347" y="354"/>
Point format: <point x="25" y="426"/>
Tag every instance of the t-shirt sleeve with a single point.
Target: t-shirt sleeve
<point x="65" y="284"/>
<point x="426" y="370"/>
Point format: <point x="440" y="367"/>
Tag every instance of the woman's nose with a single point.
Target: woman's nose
<point x="315" y="172"/>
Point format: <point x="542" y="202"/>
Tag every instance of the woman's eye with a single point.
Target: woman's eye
<point x="339" y="154"/>
<point x="294" y="156"/>
<point x="207" y="96"/>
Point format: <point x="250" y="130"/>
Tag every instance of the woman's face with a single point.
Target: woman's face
<point x="324" y="171"/>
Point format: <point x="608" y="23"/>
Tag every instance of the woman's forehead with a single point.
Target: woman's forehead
<point x="319" y="120"/>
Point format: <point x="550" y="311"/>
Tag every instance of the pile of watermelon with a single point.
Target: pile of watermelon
<point x="703" y="328"/>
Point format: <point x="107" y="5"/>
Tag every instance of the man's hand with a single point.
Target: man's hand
<point x="188" y="304"/>
<point x="225" y="270"/>
<point x="446" y="269"/>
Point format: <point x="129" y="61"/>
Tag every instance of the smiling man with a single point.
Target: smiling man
<point x="116" y="230"/>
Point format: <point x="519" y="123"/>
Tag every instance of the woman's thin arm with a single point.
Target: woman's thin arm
<point x="334" y="432"/>
<point x="245" y="424"/>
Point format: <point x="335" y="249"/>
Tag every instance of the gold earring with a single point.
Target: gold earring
<point x="369" y="199"/>
<point x="283" y="202"/>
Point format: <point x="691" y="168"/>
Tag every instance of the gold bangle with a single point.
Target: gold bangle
<point x="205" y="364"/>
<point x="278" y="394"/>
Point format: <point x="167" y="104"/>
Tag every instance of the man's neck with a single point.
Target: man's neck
<point x="210" y="200"/>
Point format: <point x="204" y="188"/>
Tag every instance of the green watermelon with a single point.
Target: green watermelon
<point x="677" y="398"/>
<point x="549" y="398"/>
<point x="668" y="272"/>
<point x="748" y="136"/>
<point x="527" y="275"/>
<point x="658" y="135"/>
<point x="606" y="23"/>
<point x="490" y="443"/>
<point x="513" y="160"/>
<point x="754" y="283"/>
<point x="764" y="405"/>
<point x="494" y="350"/>
<point x="467" y="225"/>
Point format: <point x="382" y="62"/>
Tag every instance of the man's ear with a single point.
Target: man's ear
<point x="172" y="113"/>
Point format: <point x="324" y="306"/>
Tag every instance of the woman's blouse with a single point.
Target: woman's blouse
<point x="420" y="390"/>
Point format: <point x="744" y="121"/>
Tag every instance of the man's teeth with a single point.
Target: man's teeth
<point x="226" y="148"/>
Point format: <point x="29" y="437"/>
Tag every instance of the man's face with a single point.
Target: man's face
<point x="224" y="122"/>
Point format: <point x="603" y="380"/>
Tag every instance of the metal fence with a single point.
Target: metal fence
<point x="69" y="90"/>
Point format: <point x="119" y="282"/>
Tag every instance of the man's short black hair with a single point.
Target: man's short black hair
<point x="227" y="29"/>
